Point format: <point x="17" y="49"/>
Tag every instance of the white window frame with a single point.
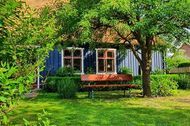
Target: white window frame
<point x="82" y="57"/>
<point x="115" y="61"/>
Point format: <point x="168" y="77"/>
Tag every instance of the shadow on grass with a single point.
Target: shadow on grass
<point x="103" y="95"/>
<point x="108" y="108"/>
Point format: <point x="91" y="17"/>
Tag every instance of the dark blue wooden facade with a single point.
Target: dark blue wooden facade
<point x="127" y="59"/>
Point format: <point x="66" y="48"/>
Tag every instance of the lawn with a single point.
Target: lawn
<point x="107" y="109"/>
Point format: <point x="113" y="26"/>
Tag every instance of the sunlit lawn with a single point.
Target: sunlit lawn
<point x="106" y="109"/>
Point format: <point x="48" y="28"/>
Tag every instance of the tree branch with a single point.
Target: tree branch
<point x="131" y="46"/>
<point x="135" y="53"/>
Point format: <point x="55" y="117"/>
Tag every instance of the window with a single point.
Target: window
<point x="105" y="60"/>
<point x="73" y="57"/>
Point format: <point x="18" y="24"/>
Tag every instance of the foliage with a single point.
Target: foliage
<point x="11" y="88"/>
<point x="90" y="70"/>
<point x="162" y="85"/>
<point x="144" y="21"/>
<point x="67" y="88"/>
<point x="42" y="120"/>
<point x="65" y="71"/>
<point x="125" y="70"/>
<point x="184" y="81"/>
<point x="177" y="59"/>
<point x="158" y="71"/>
<point x="137" y="80"/>
<point x="7" y="8"/>
<point x="51" y="83"/>
<point x="187" y="64"/>
<point x="26" y="37"/>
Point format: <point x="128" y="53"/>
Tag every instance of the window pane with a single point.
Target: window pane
<point x="110" y="65"/>
<point x="101" y="65"/>
<point x="110" y="54"/>
<point x="100" y="53"/>
<point x="77" y="65"/>
<point x="67" y="62"/>
<point x="77" y="53"/>
<point x="67" y="52"/>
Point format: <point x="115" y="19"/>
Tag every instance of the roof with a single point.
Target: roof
<point x="38" y="3"/>
<point x="186" y="48"/>
<point x="41" y="3"/>
<point x="105" y="35"/>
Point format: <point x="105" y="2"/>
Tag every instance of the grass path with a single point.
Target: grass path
<point x="108" y="109"/>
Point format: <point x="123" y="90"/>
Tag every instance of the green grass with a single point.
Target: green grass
<point x="107" y="109"/>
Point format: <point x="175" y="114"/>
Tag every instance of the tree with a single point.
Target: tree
<point x="26" y="37"/>
<point x="134" y="21"/>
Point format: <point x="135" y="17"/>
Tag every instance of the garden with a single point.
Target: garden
<point x="28" y="35"/>
<point x="62" y="102"/>
<point x="108" y="108"/>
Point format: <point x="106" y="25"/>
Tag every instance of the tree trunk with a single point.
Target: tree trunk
<point x="146" y="69"/>
<point x="146" y="83"/>
<point x="145" y="60"/>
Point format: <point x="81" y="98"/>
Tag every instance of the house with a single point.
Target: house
<point x="99" y="60"/>
<point x="186" y="49"/>
<point x="106" y="57"/>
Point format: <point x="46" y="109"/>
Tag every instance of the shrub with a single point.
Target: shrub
<point x="90" y="70"/>
<point x="65" y="72"/>
<point x="184" y="81"/>
<point x="158" y="71"/>
<point x="52" y="82"/>
<point x="12" y="87"/>
<point x="66" y="88"/>
<point x="125" y="70"/>
<point x="161" y="85"/>
<point x="187" y="64"/>
<point x="137" y="80"/>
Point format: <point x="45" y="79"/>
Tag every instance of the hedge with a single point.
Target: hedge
<point x="183" y="80"/>
<point x="161" y="85"/>
<point x="52" y="82"/>
<point x="175" y="77"/>
<point x="187" y="64"/>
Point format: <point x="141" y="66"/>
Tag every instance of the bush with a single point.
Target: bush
<point x="90" y="70"/>
<point x="67" y="88"/>
<point x="158" y="71"/>
<point x="161" y="85"/>
<point x="184" y="81"/>
<point x="187" y="64"/>
<point x="125" y="70"/>
<point x="65" y="72"/>
<point x="137" y="80"/>
<point x="51" y="83"/>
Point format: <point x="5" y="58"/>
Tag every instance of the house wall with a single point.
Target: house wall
<point x="124" y="59"/>
<point x="131" y="62"/>
<point x="53" y="62"/>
